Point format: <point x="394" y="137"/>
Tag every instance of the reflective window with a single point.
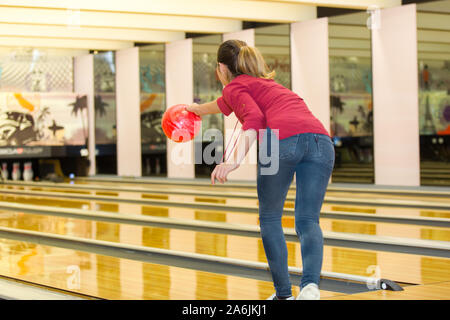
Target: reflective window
<point x="105" y="112"/>
<point x="351" y="97"/>
<point x="274" y="44"/>
<point x="433" y="34"/>
<point x="207" y="88"/>
<point x="153" y="105"/>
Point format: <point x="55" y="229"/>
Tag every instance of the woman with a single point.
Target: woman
<point x="305" y="148"/>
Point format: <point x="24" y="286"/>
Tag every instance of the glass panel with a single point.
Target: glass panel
<point x="207" y="88"/>
<point x="105" y="112"/>
<point x="153" y="105"/>
<point x="433" y="34"/>
<point x="274" y="44"/>
<point x="351" y="98"/>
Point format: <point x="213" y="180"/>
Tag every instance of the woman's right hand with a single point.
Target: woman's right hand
<point x="193" y="108"/>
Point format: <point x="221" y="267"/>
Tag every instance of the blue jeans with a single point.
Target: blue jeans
<point x="311" y="157"/>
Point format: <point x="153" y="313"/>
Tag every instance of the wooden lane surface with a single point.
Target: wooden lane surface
<point x="113" y="278"/>
<point x="395" y="266"/>
<point x="326" y="207"/>
<point x="361" y="193"/>
<point x="327" y="224"/>
<point x="433" y="291"/>
<point x="204" y="191"/>
<point x="365" y="195"/>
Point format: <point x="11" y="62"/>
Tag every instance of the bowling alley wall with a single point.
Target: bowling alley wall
<point x="379" y="81"/>
<point x="37" y="104"/>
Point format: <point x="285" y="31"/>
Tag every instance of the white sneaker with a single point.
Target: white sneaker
<point x="274" y="297"/>
<point x="309" y="292"/>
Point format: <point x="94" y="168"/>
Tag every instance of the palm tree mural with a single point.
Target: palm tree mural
<point x="54" y="128"/>
<point x="100" y="105"/>
<point x="79" y="105"/>
<point x="44" y="113"/>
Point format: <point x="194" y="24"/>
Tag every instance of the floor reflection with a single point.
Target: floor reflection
<point x="115" y="278"/>
<point x="351" y="261"/>
<point x="354" y="227"/>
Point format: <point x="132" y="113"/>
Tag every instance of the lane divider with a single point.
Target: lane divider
<point x="19" y="290"/>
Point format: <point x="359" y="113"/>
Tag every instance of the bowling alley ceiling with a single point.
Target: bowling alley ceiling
<point x="117" y="24"/>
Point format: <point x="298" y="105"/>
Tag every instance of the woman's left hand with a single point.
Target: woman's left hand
<point x="221" y="172"/>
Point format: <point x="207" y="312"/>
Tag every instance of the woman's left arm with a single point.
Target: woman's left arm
<point x="246" y="108"/>
<point x="246" y="140"/>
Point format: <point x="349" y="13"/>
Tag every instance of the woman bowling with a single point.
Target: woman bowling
<point x="265" y="108"/>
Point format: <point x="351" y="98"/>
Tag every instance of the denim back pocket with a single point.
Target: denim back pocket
<point x="288" y="147"/>
<point x="323" y="149"/>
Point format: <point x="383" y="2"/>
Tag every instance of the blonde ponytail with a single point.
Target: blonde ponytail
<point x="242" y="59"/>
<point x="251" y="62"/>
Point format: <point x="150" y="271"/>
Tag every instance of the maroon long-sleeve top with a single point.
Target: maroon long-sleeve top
<point x="260" y="103"/>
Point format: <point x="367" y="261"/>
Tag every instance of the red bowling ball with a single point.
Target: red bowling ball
<point x="179" y="124"/>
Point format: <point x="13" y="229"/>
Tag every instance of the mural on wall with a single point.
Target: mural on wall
<point x="42" y="119"/>
<point x="351" y="97"/>
<point x="151" y="116"/>
<point x="207" y="88"/>
<point x="105" y="98"/>
<point x="434" y="97"/>
<point x="153" y="104"/>
<point x="282" y="66"/>
<point x="351" y="115"/>
<point x="37" y="106"/>
<point x="105" y="118"/>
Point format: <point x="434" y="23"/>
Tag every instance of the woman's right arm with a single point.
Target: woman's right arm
<point x="205" y="108"/>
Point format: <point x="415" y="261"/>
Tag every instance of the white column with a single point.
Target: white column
<point x="247" y="170"/>
<point x="395" y="97"/>
<point x="84" y="85"/>
<point x="180" y="90"/>
<point x="310" y="66"/>
<point x="128" y="113"/>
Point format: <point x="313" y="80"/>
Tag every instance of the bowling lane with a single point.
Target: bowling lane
<point x="252" y="191"/>
<point x="395" y="266"/>
<point x="134" y="195"/>
<point x="384" y="210"/>
<point x="223" y="201"/>
<point x="240" y="218"/>
<point x="367" y="195"/>
<point x="122" y="279"/>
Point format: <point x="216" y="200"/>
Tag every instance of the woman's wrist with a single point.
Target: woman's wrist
<point x="204" y="108"/>
<point x="232" y="164"/>
<point x="194" y="108"/>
